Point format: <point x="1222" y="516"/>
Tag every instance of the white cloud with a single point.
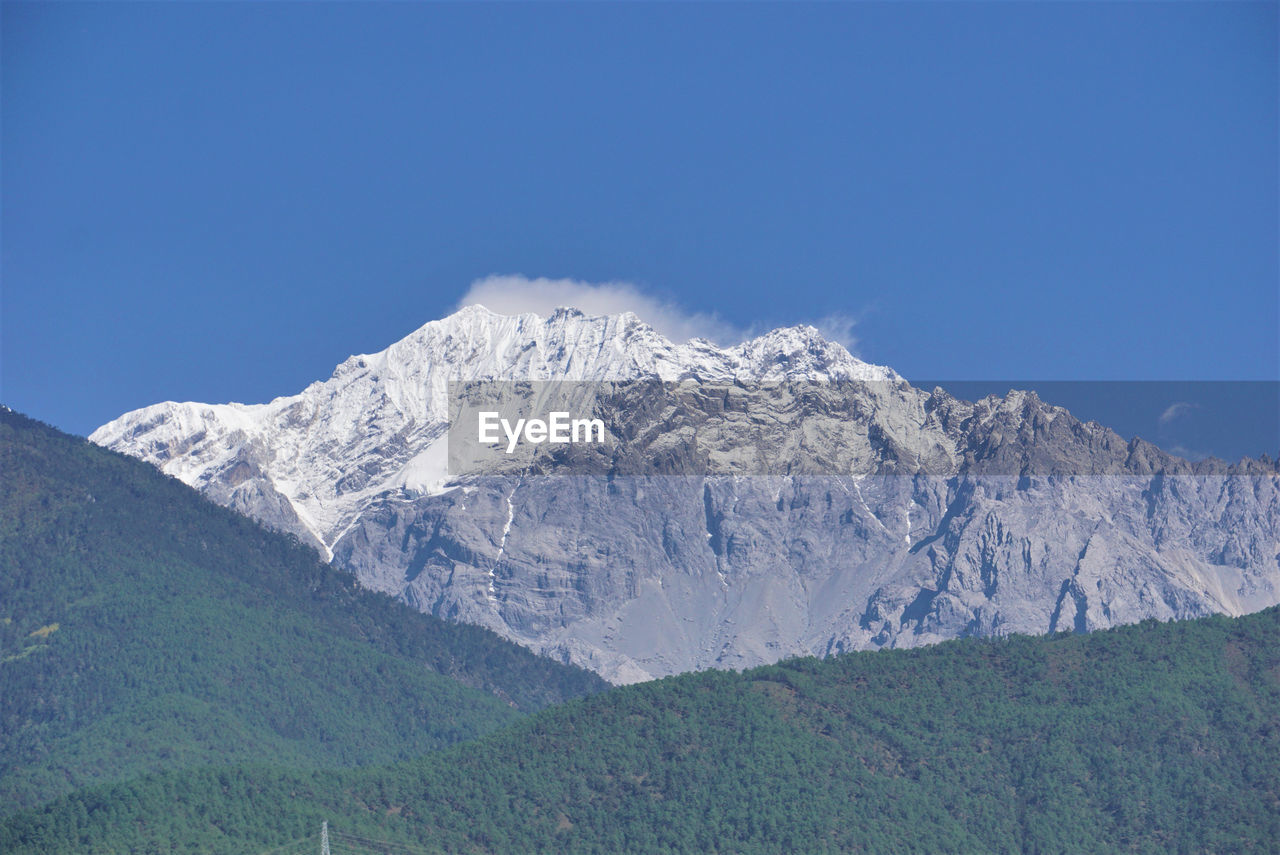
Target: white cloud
<point x="839" y="328"/>
<point x="1176" y="410"/>
<point x="515" y="294"/>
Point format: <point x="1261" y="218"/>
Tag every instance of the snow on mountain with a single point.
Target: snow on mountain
<point x="875" y="514"/>
<point x="380" y="421"/>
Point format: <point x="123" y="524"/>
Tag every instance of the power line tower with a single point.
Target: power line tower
<point x="324" y="838"/>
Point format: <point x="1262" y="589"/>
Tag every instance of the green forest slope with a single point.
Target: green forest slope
<point x="143" y="628"/>
<point x="1151" y="738"/>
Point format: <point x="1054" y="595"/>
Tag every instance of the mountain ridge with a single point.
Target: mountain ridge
<point x="142" y="627"/>
<point x="1145" y="738"/>
<point x="875" y="513"/>
<point x="406" y="383"/>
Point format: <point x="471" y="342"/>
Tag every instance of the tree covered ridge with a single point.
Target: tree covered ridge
<point x="143" y="627"/>
<point x="1148" y="738"/>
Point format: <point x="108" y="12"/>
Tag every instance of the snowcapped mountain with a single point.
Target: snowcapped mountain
<point x="851" y="511"/>
<point x="310" y="463"/>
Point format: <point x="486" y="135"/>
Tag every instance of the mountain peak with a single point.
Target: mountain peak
<point x="476" y="342"/>
<point x="884" y="515"/>
<point x="278" y="449"/>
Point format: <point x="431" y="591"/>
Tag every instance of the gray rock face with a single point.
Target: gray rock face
<point x="1027" y="521"/>
<point x="831" y="507"/>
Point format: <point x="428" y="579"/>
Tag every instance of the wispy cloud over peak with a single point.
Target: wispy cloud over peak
<point x="513" y="294"/>
<point x="1174" y="411"/>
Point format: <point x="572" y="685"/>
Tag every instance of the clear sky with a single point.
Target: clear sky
<point x="222" y="201"/>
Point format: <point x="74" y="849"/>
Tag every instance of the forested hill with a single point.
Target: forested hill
<point x="142" y="627"/>
<point x="1152" y="738"/>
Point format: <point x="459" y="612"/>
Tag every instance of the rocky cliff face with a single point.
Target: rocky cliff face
<point x="775" y="498"/>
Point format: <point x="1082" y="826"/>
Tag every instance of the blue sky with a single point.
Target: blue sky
<point x="222" y="201"/>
